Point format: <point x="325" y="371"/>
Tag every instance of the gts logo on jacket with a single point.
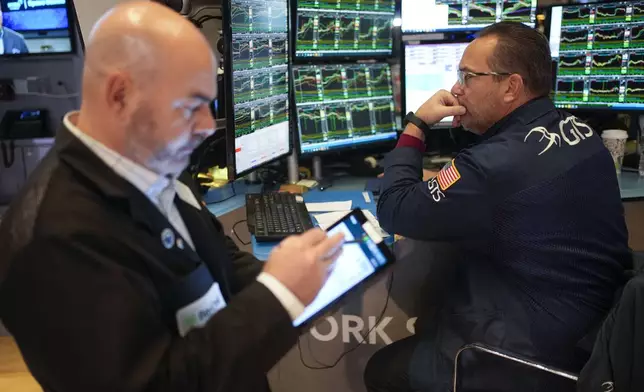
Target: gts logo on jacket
<point x="571" y="130"/>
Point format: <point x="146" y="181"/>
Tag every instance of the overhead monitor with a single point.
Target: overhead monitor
<point x="599" y="52"/>
<point x="343" y="28"/>
<point x="256" y="46"/>
<point x="35" y="27"/>
<point x="342" y="106"/>
<point x="426" y="16"/>
<point x="428" y="68"/>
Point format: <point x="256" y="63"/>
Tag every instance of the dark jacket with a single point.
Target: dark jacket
<point x="617" y="361"/>
<point x="13" y="42"/>
<point x="88" y="288"/>
<point x="535" y="209"/>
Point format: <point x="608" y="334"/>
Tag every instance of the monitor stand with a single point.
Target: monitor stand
<point x="323" y="183"/>
<point x="253" y="178"/>
<point x="293" y="168"/>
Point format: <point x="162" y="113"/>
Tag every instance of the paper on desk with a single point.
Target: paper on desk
<point x="374" y="221"/>
<point x="327" y="219"/>
<point x="330" y="206"/>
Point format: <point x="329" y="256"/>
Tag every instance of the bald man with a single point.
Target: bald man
<point x="113" y="276"/>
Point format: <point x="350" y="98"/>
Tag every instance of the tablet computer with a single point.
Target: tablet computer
<point x="364" y="255"/>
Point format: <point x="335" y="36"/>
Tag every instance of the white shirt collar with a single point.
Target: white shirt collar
<point x="151" y="184"/>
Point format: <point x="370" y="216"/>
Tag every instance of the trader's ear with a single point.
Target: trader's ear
<point x="515" y="88"/>
<point x="119" y="94"/>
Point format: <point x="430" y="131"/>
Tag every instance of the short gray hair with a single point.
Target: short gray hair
<point x="524" y="51"/>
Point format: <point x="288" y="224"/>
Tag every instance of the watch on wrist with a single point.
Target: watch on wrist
<point x="422" y="125"/>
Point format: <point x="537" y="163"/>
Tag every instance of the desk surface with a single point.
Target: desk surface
<point x="235" y="197"/>
<point x="631" y="186"/>
<point x="359" y="199"/>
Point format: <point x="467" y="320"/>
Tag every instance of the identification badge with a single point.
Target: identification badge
<point x="197" y="314"/>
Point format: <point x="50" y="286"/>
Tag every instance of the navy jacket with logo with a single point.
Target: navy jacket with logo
<point x="535" y="208"/>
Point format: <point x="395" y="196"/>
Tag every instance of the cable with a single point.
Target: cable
<point x="211" y="146"/>
<point x="235" y="233"/>
<point x="209" y="17"/>
<point x="361" y="342"/>
<point x="232" y="185"/>
<point x="277" y="177"/>
<point x="199" y="22"/>
<point x="8" y="153"/>
<point x="55" y="96"/>
<point x="207" y="8"/>
<point x="68" y="92"/>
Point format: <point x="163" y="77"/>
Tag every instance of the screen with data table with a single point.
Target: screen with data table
<point x="429" y="68"/>
<point x="260" y="86"/>
<point x="599" y="51"/>
<point x="346" y="28"/>
<point x="343" y="105"/>
<point x="423" y="16"/>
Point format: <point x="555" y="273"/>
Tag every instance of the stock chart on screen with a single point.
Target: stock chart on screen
<point x="347" y="28"/>
<point x="423" y="16"/>
<point x="343" y="105"/>
<point x="259" y="54"/>
<point x="599" y="51"/>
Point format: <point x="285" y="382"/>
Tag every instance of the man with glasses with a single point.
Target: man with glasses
<point x="533" y="209"/>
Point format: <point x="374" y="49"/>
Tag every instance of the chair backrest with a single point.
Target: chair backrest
<point x="617" y="359"/>
<point x="638" y="263"/>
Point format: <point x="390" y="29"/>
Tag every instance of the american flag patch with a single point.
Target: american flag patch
<point x="448" y="176"/>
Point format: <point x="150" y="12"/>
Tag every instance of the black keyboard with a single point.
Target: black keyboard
<point x="275" y="216"/>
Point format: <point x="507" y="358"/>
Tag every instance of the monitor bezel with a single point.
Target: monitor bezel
<point x="465" y="38"/>
<point x="464" y="29"/>
<point x="72" y="23"/>
<point x="227" y="36"/>
<point x="333" y="59"/>
<point x="371" y="145"/>
<point x="584" y="108"/>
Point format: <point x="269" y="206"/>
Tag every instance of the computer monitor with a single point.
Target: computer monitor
<point x="426" y="16"/>
<point x="343" y="28"/>
<point x="342" y="106"/>
<point x="599" y="55"/>
<point x="35" y="27"/>
<point x="258" y="125"/>
<point x="427" y="68"/>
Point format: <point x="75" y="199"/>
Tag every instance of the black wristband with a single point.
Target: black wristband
<point x="422" y="125"/>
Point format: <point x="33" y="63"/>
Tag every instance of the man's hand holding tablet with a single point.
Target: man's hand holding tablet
<point x="302" y="263"/>
<point x="363" y="255"/>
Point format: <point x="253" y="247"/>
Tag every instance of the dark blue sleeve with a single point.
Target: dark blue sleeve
<point x="453" y="205"/>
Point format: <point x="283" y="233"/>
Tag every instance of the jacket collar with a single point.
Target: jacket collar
<point x="82" y="160"/>
<point x="524" y="114"/>
<point x="120" y="192"/>
<point x="105" y="181"/>
<point x="144" y="179"/>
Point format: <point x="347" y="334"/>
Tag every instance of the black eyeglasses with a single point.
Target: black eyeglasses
<point x="463" y="76"/>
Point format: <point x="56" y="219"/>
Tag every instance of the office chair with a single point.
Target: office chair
<point x="506" y="355"/>
<point x="615" y="316"/>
